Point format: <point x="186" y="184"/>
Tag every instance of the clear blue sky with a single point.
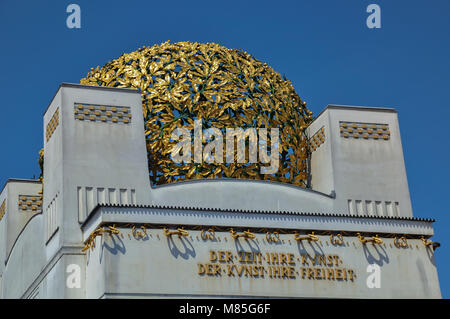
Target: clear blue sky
<point x="323" y="47"/>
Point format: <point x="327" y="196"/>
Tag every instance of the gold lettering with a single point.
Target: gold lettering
<point x="275" y="271"/>
<point x="290" y="259"/>
<point x="259" y="258"/>
<point x="304" y="260"/>
<point x="209" y="269"/>
<point x="317" y="273"/>
<point x="212" y="256"/>
<point x="283" y="258"/>
<point x="201" y="269"/>
<point x="261" y="271"/>
<point x="279" y="265"/>
<point x="330" y="260"/>
<point x="240" y="270"/>
<point x="310" y="273"/>
<point x="322" y="260"/>
<point x="336" y="260"/>
<point x="303" y="272"/>
<point x="330" y="274"/>
<point x="221" y="255"/>
<point x="291" y="272"/>
<point x="313" y="261"/>
<point x="228" y="256"/>
<point x="255" y="271"/>
<point x="217" y="269"/>
<point x="339" y="274"/>
<point x="274" y="258"/>
<point x="248" y="271"/>
<point x="351" y="274"/>
<point x="230" y="270"/>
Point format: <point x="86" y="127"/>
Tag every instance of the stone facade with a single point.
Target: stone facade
<point x="100" y="230"/>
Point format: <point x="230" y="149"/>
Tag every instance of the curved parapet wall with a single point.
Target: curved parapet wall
<point x="26" y="260"/>
<point x="242" y="194"/>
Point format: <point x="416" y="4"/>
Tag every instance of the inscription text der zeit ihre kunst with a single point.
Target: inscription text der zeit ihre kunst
<point x="275" y="265"/>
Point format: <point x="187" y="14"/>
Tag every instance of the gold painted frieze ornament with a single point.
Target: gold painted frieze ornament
<point x="308" y="237"/>
<point x="374" y="239"/>
<point x="272" y="237"/>
<point x="139" y="233"/>
<point x="337" y="239"/>
<point x="179" y="232"/>
<point x="400" y="242"/>
<point x="99" y="231"/>
<point x="208" y="234"/>
<point x="225" y="88"/>
<point x="428" y="243"/>
<point x="247" y="234"/>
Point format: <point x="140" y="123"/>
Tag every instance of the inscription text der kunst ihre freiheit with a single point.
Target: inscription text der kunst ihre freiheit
<point x="275" y="265"/>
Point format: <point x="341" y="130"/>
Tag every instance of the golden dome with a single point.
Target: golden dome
<point x="225" y="88"/>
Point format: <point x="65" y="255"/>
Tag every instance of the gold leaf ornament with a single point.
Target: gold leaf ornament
<point x="227" y="88"/>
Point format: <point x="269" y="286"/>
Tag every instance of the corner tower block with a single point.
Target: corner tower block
<point x="20" y="200"/>
<point x="94" y="152"/>
<point x="357" y="155"/>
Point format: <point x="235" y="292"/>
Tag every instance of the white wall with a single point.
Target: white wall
<point x="87" y="162"/>
<point x="368" y="175"/>
<point x="169" y="268"/>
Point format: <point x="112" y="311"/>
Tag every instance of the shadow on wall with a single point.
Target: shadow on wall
<point x="251" y="243"/>
<point x="116" y="246"/>
<point x="312" y="249"/>
<point x="430" y="253"/>
<point x="375" y="254"/>
<point x="182" y="248"/>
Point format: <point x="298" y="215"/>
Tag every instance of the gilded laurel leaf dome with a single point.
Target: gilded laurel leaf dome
<point x="225" y="88"/>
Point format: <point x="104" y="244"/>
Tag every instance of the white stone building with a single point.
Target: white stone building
<point x="352" y="235"/>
